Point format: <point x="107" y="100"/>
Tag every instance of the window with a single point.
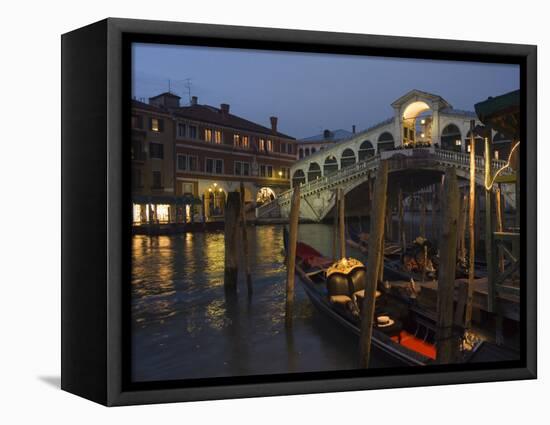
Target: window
<point x="237" y="140"/>
<point x="266" y="171"/>
<point x="157" y="180"/>
<point x="156" y="124"/>
<point x="193" y="131"/>
<point x="218" y="137"/>
<point x="245" y="142"/>
<point x="289" y="148"/>
<point x="214" y="166"/>
<point x="261" y="145"/>
<point x="182" y="162"/>
<point x="187" y="187"/>
<point x="181" y="130"/>
<point x="283" y="147"/>
<point x="207" y="135"/>
<point x="156" y="150"/>
<point x="137" y="121"/>
<point x="270" y="145"/>
<point x="242" y="168"/>
<point x="186" y="162"/>
<point x="312" y="151"/>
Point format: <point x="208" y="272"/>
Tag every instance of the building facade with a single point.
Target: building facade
<point x="210" y="153"/>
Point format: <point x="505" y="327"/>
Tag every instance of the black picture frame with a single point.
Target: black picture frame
<point x="95" y="191"/>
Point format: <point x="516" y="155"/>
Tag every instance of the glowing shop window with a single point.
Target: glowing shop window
<point x="137" y="213"/>
<point x="163" y="213"/>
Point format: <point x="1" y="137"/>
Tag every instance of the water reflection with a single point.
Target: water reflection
<point x="185" y="327"/>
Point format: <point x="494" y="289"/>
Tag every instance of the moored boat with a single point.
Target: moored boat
<point x="400" y="331"/>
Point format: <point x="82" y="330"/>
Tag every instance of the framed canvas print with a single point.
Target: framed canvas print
<point x="251" y="212"/>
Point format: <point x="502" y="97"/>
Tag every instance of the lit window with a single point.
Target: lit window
<point x="156" y="124"/>
<point x="269" y="145"/>
<point x="245" y="142"/>
<point x="207" y="135"/>
<point x="261" y="145"/>
<point x="218" y="137"/>
<point x="236" y="140"/>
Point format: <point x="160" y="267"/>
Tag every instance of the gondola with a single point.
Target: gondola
<point x="359" y="240"/>
<point x="400" y="332"/>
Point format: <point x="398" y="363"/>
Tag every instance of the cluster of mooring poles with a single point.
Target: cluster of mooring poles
<point x="235" y="219"/>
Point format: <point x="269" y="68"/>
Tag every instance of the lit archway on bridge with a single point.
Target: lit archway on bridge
<point x="298" y="178"/>
<point x="385" y="142"/>
<point x="348" y="158"/>
<point x="366" y="150"/>
<point x="265" y="194"/>
<point x="330" y="165"/>
<point x="451" y="138"/>
<point x="417" y="123"/>
<point x="314" y="172"/>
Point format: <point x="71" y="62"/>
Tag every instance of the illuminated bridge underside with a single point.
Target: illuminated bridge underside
<point x="412" y="170"/>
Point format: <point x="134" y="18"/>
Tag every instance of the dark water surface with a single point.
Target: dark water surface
<point x="182" y="326"/>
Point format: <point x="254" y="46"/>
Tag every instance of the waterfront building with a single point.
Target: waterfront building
<point x="210" y="152"/>
<point x="152" y="164"/>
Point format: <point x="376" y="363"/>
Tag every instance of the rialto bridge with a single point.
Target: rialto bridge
<point x="425" y="136"/>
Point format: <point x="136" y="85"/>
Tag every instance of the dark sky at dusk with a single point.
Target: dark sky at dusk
<point x="311" y="92"/>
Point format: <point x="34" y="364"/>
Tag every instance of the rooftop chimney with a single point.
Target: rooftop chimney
<point x="353" y="128"/>
<point x="273" y="124"/>
<point x="194" y="100"/>
<point x="224" y="108"/>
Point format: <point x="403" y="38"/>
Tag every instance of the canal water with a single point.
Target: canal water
<point x="182" y="327"/>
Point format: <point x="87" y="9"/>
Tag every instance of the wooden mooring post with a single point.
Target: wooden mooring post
<point x="335" y="226"/>
<point x="489" y="254"/>
<point x="375" y="254"/>
<point x="471" y="228"/>
<point x="446" y="344"/>
<point x="342" y="222"/>
<point x="401" y="229"/>
<point x="231" y="269"/>
<point x="244" y="233"/>
<point x="291" y="254"/>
